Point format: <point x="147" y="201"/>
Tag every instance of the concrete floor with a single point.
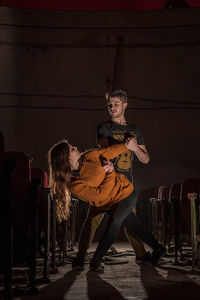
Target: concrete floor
<point x="127" y="280"/>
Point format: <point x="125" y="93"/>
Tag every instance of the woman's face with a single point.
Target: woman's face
<point x="74" y="154"/>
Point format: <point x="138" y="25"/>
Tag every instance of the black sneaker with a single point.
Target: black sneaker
<point x="96" y="266"/>
<point x="78" y="264"/>
<point x="157" y="254"/>
<point x="144" y="258"/>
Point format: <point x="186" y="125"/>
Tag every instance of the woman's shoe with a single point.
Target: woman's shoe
<point x="96" y="266"/>
<point x="78" y="264"/>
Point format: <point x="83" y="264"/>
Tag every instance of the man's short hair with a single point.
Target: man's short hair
<point x="118" y="94"/>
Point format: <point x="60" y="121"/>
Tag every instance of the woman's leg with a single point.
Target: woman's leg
<point x="88" y="229"/>
<point x="118" y="214"/>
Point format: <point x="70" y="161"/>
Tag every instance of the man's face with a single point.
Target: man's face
<point x="116" y="108"/>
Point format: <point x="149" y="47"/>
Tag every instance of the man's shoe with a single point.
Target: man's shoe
<point x="144" y="258"/>
<point x="157" y="254"/>
<point x="78" y="264"/>
<point x="96" y="266"/>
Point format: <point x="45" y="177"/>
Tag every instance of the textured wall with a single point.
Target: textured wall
<point x="55" y="68"/>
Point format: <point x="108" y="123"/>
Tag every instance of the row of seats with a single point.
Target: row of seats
<point x="28" y="226"/>
<point x="173" y="214"/>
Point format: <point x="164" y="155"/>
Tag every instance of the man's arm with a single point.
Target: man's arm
<point x="139" y="150"/>
<point x="142" y="154"/>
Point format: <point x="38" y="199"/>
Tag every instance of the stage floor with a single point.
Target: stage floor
<point x="123" y="278"/>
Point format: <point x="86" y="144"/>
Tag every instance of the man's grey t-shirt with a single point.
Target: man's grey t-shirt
<point x="116" y="133"/>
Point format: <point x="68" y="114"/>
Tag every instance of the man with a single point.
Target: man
<point x="117" y="131"/>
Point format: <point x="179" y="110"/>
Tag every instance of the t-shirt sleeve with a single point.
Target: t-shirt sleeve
<point x="140" y="139"/>
<point x="101" y="132"/>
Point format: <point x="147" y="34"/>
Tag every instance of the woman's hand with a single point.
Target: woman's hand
<point x="108" y="166"/>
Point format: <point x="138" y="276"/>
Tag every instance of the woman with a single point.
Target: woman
<point x="89" y="176"/>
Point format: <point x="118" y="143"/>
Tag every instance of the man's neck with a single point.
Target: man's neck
<point x="120" y="120"/>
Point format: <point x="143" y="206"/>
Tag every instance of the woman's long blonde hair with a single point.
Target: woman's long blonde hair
<point x="59" y="177"/>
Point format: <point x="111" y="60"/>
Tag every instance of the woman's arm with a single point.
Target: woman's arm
<point x="113" y="151"/>
<point x="96" y="196"/>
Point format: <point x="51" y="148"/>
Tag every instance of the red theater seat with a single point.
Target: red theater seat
<point x="189" y="216"/>
<point x="43" y="217"/>
<point x="165" y="215"/>
<point x="174" y="199"/>
<point x="19" y="219"/>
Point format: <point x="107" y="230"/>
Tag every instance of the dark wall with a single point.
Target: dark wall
<point x="56" y="67"/>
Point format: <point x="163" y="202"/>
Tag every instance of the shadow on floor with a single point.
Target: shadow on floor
<point x="99" y="289"/>
<point x="56" y="290"/>
<point x="176" y="285"/>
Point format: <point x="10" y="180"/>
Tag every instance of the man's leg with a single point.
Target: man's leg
<point x="137" y="245"/>
<point x="135" y="227"/>
<point x="88" y="229"/>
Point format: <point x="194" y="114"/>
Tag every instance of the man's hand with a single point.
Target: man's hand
<point x="139" y="150"/>
<point x="131" y="144"/>
<point x="108" y="166"/>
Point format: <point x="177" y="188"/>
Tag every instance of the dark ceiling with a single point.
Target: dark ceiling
<point x="101" y="4"/>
